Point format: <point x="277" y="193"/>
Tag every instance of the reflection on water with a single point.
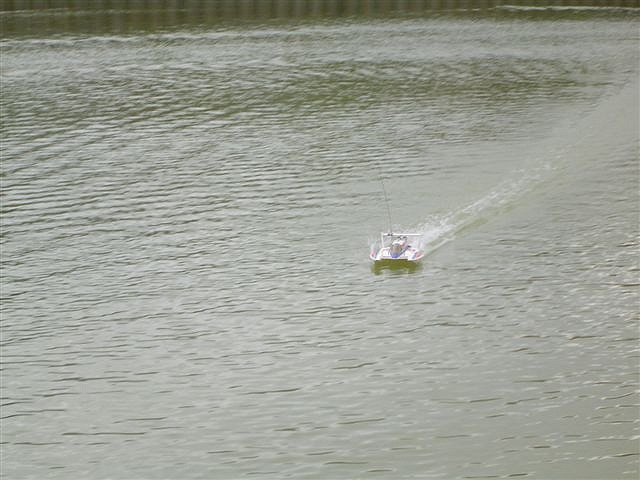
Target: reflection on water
<point x="395" y="267"/>
<point x="38" y="17"/>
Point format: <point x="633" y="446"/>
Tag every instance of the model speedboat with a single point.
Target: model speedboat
<point x="396" y="248"/>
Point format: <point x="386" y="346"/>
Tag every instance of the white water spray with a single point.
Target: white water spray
<point x="440" y="229"/>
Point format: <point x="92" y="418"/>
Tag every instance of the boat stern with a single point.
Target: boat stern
<point x="396" y="248"/>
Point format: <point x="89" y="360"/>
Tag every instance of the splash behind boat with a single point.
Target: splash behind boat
<point x="395" y="248"/>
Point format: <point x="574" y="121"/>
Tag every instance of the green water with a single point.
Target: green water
<point x="187" y="213"/>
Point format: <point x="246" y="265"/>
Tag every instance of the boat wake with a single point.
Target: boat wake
<point x="439" y="229"/>
<point x="573" y="144"/>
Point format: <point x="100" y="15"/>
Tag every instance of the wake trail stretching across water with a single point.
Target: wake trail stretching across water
<point x="572" y="144"/>
<point x="441" y="229"/>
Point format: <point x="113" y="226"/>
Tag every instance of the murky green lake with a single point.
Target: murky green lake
<point x="187" y="213"/>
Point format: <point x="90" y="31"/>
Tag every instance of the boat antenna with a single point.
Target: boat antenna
<point x="386" y="200"/>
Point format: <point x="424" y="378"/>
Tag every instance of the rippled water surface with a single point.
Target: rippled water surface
<point x="186" y="221"/>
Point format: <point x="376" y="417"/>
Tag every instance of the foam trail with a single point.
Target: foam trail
<point x="573" y="140"/>
<point x="441" y="229"/>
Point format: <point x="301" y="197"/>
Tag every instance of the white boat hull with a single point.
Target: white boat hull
<point x="395" y="248"/>
<point x="411" y="254"/>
